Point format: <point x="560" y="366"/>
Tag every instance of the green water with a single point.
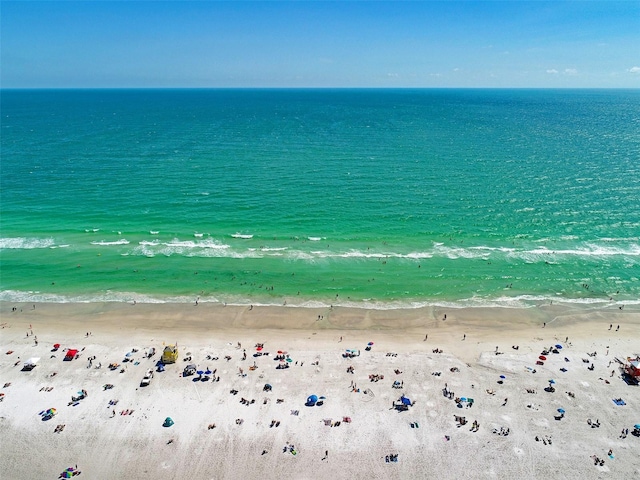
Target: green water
<point x="381" y="198"/>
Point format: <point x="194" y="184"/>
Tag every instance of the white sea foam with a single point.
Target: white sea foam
<point x="26" y="243"/>
<point x="242" y="235"/>
<point x="519" y="302"/>
<point x="104" y="243"/>
<point x="149" y="243"/>
<point x="154" y="232"/>
<point x="198" y="235"/>
<point x="208" y="243"/>
<point x="315" y="239"/>
<point x="90" y="230"/>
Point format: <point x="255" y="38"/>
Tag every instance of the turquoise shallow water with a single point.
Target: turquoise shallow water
<point x="366" y="197"/>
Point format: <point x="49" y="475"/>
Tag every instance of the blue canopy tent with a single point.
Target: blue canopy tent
<point x="311" y="400"/>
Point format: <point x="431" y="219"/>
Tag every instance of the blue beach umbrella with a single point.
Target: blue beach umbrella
<point x="552" y="381"/>
<point x="208" y="372"/>
<point x="637" y="426"/>
<point x="502" y="376"/>
<point x="199" y="372"/>
<point x="561" y="410"/>
<point x="559" y="347"/>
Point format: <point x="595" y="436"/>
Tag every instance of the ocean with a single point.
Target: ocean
<point x="372" y="198"/>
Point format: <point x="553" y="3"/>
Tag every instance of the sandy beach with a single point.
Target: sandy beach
<point x="452" y="372"/>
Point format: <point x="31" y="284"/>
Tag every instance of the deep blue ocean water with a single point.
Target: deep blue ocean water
<point x="380" y="198"/>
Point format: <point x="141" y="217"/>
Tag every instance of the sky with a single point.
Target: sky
<point x="352" y="44"/>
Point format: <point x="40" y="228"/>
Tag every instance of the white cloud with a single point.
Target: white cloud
<point x="570" y="71"/>
<point x="435" y="74"/>
<point x="393" y="75"/>
<point x="456" y="69"/>
<point x="552" y="71"/>
<point x="634" y="70"/>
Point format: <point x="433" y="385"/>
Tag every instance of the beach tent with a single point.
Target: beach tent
<point x="311" y="400"/>
<point x="31" y="363"/>
<point x="170" y="354"/>
<point x="167" y="422"/>
<point x="405" y="400"/>
<point x="70" y="355"/>
<point x="633" y="369"/>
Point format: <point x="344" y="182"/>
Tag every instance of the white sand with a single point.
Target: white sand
<point x="135" y="446"/>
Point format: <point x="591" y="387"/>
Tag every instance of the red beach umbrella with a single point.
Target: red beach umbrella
<point x="259" y="349"/>
<point x="542" y="357"/>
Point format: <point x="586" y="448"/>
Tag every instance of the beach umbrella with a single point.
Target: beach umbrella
<point x="542" y="357"/>
<point x="56" y="345"/>
<point x="503" y="377"/>
<point x="405" y="400"/>
<point x="280" y="352"/>
<point x="322" y="398"/>
<point x="561" y="410"/>
<point x="370" y="343"/>
<point x="289" y="360"/>
<point x="312" y="399"/>
<point x="208" y="372"/>
<point x="259" y="349"/>
<point x="637" y="426"/>
<point x="128" y="354"/>
<point x="199" y="372"/>
<point x="552" y="381"/>
<point x="559" y="347"/>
